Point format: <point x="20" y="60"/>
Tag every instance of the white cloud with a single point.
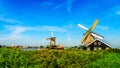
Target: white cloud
<point x="69" y="37"/>
<point x="2" y="38"/>
<point x="118" y="12"/>
<point x="114" y="11"/>
<point x="60" y="5"/>
<point x="8" y="20"/>
<point x="67" y="4"/>
<point x="52" y="28"/>
<point x="102" y="27"/>
<point x="16" y="32"/>
<point x="46" y="3"/>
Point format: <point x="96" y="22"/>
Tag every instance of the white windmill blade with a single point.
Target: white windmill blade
<point x="51" y="34"/>
<point x="81" y="26"/>
<point x="97" y="36"/>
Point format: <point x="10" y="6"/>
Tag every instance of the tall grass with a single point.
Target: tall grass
<point x="16" y="58"/>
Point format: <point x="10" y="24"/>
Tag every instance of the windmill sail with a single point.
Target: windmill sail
<point x="81" y="26"/>
<point x="94" y="25"/>
<point x="97" y="36"/>
<point x="85" y="37"/>
<point x="51" y="34"/>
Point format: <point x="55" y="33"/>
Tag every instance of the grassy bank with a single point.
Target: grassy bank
<point x="14" y="58"/>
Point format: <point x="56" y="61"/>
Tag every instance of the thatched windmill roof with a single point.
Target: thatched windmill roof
<point x="60" y="46"/>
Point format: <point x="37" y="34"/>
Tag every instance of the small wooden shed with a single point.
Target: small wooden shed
<point x="97" y="45"/>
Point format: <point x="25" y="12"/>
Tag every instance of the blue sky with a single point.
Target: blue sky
<point x="29" y="22"/>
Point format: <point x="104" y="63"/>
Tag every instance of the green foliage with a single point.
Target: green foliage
<point x="70" y="58"/>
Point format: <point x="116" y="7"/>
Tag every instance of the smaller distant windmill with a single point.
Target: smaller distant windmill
<point x="52" y="40"/>
<point x="90" y="36"/>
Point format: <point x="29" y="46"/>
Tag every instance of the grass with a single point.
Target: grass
<point x="111" y="60"/>
<point x="74" y="58"/>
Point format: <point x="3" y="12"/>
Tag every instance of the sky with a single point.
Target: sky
<point x="29" y="22"/>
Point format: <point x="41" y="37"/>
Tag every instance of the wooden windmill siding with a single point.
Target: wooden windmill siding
<point x="52" y="41"/>
<point x="97" y="44"/>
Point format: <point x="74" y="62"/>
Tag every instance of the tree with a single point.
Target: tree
<point x="80" y="47"/>
<point x="41" y="47"/>
<point x="74" y="47"/>
<point x="0" y="46"/>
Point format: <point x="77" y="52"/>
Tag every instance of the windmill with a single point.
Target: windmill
<point x="90" y="36"/>
<point x="53" y="43"/>
<point x="52" y="39"/>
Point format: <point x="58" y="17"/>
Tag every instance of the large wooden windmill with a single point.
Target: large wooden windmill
<point x="89" y="36"/>
<point x="91" y="40"/>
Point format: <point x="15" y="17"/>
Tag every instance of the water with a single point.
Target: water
<point x="32" y="49"/>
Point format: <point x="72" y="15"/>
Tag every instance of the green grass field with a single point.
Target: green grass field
<point x="71" y="58"/>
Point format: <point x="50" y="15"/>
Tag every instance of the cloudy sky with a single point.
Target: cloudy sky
<point x="29" y="22"/>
